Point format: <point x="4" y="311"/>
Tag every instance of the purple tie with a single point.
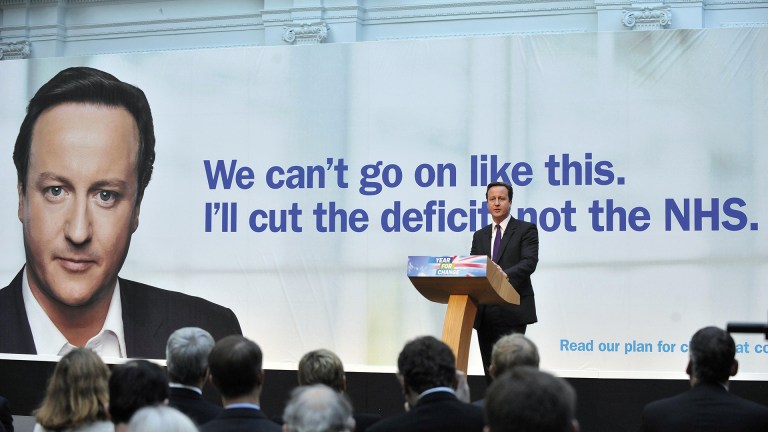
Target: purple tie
<point x="497" y="244"/>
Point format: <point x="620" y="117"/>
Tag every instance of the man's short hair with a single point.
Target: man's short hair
<point x="235" y="365"/>
<point x="321" y="367"/>
<point x="712" y="352"/>
<point x="134" y="385"/>
<point x="511" y="351"/>
<point x="426" y="363"/>
<point x="318" y="408"/>
<point x="527" y="400"/>
<point x="492" y="184"/>
<point x="186" y="355"/>
<point x="89" y="86"/>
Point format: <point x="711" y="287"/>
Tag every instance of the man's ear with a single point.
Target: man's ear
<point x="135" y="216"/>
<point x="404" y="385"/>
<point x="260" y="377"/>
<point x="344" y="383"/>
<point x="734" y="367"/>
<point x="575" y="425"/>
<point x="492" y="371"/>
<point x="689" y="368"/>
<point x="20" y="189"/>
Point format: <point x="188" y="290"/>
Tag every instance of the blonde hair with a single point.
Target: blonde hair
<point x="77" y="392"/>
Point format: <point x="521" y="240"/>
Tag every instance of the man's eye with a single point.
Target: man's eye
<point x="107" y="196"/>
<point x="54" y="191"/>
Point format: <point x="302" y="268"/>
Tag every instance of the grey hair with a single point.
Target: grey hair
<point x="513" y="350"/>
<point x="187" y="355"/>
<point x="160" y="418"/>
<point x="318" y="408"/>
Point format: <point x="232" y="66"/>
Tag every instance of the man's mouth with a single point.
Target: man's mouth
<point x="76" y="264"/>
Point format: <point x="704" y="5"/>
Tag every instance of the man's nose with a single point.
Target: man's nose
<point x="78" y="228"/>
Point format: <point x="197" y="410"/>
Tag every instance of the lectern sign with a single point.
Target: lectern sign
<point x="447" y="266"/>
<point x="438" y="277"/>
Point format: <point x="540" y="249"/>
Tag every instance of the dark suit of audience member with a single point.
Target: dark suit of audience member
<point x="525" y="399"/>
<point x="6" y="418"/>
<point x="193" y="405"/>
<point x="241" y="420"/>
<point x="427" y="372"/>
<point x="186" y="355"/>
<point x="323" y="366"/>
<point x="236" y="372"/>
<point x="517" y="255"/>
<point x="708" y="405"/>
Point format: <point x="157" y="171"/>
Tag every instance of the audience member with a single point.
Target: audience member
<point x="510" y="351"/>
<point x="324" y="367"/>
<point x="235" y="366"/>
<point x="708" y="405"/>
<point x="132" y="386"/>
<point x="77" y="395"/>
<point x="187" y="359"/>
<point x="525" y="399"/>
<point x="160" y="418"/>
<point x="318" y="408"/>
<point x="427" y="370"/>
<point x="6" y="418"/>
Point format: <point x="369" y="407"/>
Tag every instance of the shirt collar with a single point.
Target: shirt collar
<point x="503" y="224"/>
<point x="243" y="405"/>
<point x="437" y="389"/>
<point x="109" y="342"/>
<point x="188" y="387"/>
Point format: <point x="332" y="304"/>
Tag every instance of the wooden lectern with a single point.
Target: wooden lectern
<point x="463" y="283"/>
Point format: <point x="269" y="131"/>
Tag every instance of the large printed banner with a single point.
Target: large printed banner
<point x="292" y="183"/>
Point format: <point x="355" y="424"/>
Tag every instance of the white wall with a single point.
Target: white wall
<point x="53" y="28"/>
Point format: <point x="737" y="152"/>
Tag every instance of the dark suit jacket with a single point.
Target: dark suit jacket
<point x="705" y="408"/>
<point x="193" y="405"/>
<point x="241" y="419"/>
<point x="438" y="412"/>
<point x="519" y="254"/>
<point x="6" y="418"/>
<point x="150" y="315"/>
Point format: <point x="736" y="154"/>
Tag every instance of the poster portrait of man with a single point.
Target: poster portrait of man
<point x="84" y="156"/>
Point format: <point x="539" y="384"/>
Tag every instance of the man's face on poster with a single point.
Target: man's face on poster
<point x="80" y="206"/>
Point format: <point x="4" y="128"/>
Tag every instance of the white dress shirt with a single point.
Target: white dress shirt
<point x="109" y="342"/>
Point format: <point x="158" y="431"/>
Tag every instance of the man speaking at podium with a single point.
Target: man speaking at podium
<point x="514" y="246"/>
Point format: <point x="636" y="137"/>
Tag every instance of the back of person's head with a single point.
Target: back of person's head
<point x="528" y="400"/>
<point x="89" y="86"/>
<point x="134" y="385"/>
<point x="160" y="418"/>
<point x="712" y="352"/>
<point x="77" y="392"/>
<point x="322" y="367"/>
<point x="511" y="351"/>
<point x="186" y="355"/>
<point x="318" y="408"/>
<point x="426" y="363"/>
<point x="235" y="365"/>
